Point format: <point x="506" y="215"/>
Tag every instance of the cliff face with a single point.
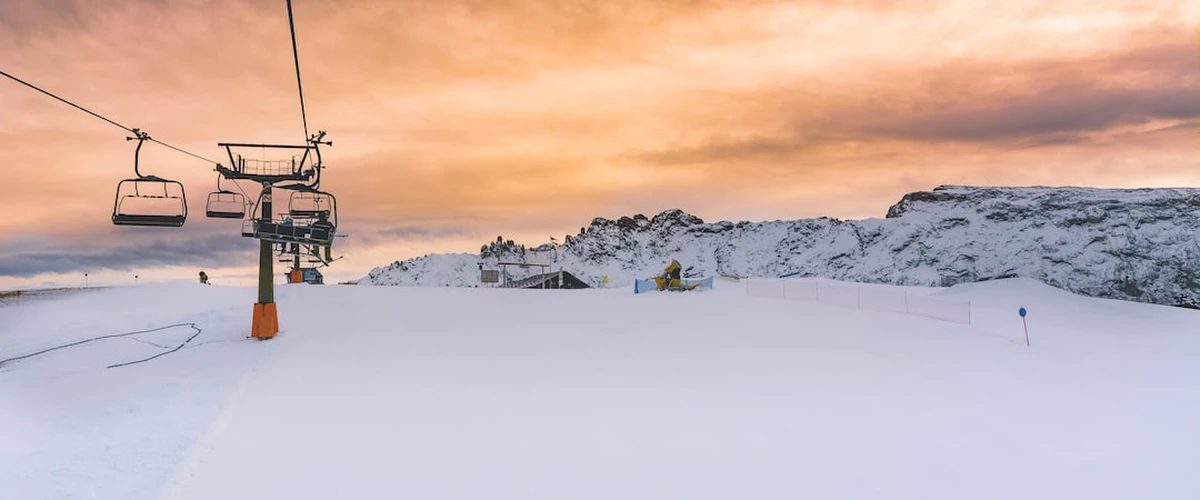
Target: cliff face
<point x="1132" y="244"/>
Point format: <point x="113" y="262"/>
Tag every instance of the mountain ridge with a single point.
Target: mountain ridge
<point x="1131" y="244"/>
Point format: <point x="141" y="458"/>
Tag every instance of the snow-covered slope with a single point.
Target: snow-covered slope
<point x="455" y="393"/>
<point x="1132" y="244"/>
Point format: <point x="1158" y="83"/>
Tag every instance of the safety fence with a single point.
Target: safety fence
<point x="649" y="285"/>
<point x="19" y="297"/>
<point x="867" y="298"/>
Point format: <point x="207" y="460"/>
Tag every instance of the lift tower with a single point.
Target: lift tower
<point x="315" y="228"/>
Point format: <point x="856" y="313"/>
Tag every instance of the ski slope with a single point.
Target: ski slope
<point x="448" y="393"/>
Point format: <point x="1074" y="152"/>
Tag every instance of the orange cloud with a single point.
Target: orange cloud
<point x="459" y="120"/>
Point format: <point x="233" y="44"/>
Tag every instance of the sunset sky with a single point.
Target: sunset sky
<point x="455" y="121"/>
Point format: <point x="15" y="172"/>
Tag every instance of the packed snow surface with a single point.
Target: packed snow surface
<point x="383" y="392"/>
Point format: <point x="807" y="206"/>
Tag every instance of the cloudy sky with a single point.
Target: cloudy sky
<point x="454" y="121"/>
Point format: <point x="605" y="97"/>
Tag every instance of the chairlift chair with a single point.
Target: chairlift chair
<point x="310" y="204"/>
<point x="304" y="230"/>
<point x="148" y="200"/>
<point x="225" y="204"/>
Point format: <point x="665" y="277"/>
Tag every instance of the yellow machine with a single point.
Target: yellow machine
<point x="670" y="280"/>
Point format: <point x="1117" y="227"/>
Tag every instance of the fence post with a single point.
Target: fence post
<point x="858" y="297"/>
<point x="906" y="302"/>
<point x="969" y="312"/>
<point x="818" y="288"/>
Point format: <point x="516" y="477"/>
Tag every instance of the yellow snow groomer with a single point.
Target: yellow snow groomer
<point x="670" y="280"/>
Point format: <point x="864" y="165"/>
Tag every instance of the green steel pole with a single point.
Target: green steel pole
<point x="266" y="268"/>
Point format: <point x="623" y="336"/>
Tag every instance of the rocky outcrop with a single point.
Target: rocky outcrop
<point x="1132" y="244"/>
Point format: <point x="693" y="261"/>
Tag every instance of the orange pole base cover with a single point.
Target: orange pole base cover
<point x="266" y="321"/>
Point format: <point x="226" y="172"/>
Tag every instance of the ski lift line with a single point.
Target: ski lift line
<point x="69" y="103"/>
<point x="296" y="57"/>
<point x="97" y="115"/>
<point x="314" y="142"/>
<point x="235" y="182"/>
<point x="245" y="196"/>
<point x="239" y="186"/>
<point x="193" y="155"/>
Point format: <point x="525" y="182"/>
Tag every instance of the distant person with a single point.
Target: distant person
<point x="323" y="223"/>
<point x="203" y="278"/>
<point x="289" y="225"/>
<point x="290" y="231"/>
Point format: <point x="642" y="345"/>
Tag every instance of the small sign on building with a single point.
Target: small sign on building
<point x="489" y="276"/>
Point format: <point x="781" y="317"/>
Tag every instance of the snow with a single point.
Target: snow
<point x="1131" y="244"/>
<point x="407" y="392"/>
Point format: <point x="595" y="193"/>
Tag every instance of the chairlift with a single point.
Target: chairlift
<point x="319" y="228"/>
<point x="309" y="204"/>
<point x="148" y="200"/>
<point x="225" y="204"/>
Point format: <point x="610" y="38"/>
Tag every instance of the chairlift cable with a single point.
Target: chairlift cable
<point x="236" y="183"/>
<point x="69" y="103"/>
<point x="296" y="57"/>
<point x="118" y="125"/>
<point x="244" y="195"/>
<point x="193" y="155"/>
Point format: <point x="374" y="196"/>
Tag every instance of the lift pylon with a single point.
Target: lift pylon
<point x="314" y="225"/>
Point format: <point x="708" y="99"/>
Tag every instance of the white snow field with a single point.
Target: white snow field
<point x="460" y="393"/>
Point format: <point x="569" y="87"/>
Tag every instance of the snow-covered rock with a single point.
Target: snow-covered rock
<point x="1132" y="244"/>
